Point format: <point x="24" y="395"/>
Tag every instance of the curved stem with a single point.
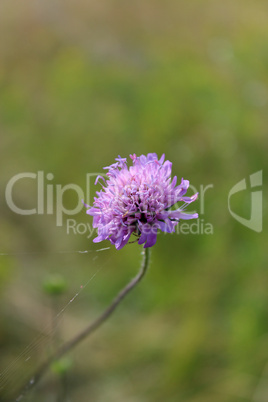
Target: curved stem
<point x="88" y="330"/>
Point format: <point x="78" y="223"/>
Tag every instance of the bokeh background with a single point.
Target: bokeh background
<point x="85" y="81"/>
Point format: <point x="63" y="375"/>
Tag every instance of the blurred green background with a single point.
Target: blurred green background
<point x="85" y="81"/>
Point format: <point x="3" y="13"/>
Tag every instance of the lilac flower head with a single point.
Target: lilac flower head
<point x="138" y="200"/>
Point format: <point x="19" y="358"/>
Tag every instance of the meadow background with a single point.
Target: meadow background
<point x="82" y="82"/>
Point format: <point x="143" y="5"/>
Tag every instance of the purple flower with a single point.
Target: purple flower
<point x="138" y="200"/>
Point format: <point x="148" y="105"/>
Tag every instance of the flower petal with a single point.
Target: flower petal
<point x="151" y="240"/>
<point x="167" y="226"/>
<point x="178" y="214"/>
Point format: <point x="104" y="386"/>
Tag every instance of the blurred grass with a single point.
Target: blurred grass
<point x="82" y="82"/>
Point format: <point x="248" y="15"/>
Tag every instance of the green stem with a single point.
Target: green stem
<point x="88" y="330"/>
